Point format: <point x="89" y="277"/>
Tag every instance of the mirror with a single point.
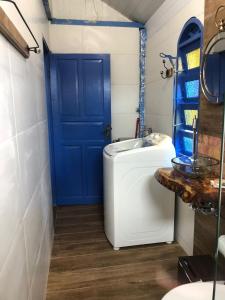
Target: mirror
<point x="213" y="69"/>
<point x="213" y="64"/>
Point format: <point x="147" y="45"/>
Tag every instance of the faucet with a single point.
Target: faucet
<point x="195" y="138"/>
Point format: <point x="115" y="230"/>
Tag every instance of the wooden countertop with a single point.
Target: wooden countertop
<point x="197" y="192"/>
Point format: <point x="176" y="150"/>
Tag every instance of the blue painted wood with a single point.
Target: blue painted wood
<point x="81" y="109"/>
<point x="47" y="9"/>
<point x="96" y="23"/>
<point x="191" y="38"/>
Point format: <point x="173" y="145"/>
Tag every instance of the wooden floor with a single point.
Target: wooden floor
<point x="84" y="265"/>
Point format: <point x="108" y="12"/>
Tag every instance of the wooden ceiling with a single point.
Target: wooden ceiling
<point x="136" y="10"/>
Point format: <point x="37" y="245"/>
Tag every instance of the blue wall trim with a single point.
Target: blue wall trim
<point x="47" y="9"/>
<point x="143" y="41"/>
<point x="96" y="23"/>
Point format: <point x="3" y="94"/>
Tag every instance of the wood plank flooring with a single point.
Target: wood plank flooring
<point x="84" y="265"/>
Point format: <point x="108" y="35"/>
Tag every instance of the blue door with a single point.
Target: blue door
<point x="81" y="119"/>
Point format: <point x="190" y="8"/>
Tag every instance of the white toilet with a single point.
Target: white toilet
<point x="196" y="291"/>
<point x="199" y="290"/>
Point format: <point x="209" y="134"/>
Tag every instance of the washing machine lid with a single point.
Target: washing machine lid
<point x="124" y="146"/>
<point x="151" y="140"/>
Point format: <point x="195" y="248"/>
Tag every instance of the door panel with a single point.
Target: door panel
<point x="93" y="87"/>
<point x="69" y="101"/>
<point x="70" y="167"/>
<point x="82" y="131"/>
<point x="81" y="110"/>
<point x="94" y="162"/>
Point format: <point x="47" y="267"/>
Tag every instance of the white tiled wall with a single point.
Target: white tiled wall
<point x="163" y="32"/>
<point x="123" y="46"/>
<point x="25" y="200"/>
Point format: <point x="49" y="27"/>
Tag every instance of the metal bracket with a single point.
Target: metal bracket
<point x="168" y="72"/>
<point x="35" y="49"/>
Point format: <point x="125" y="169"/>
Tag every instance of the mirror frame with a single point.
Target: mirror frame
<point x="213" y="99"/>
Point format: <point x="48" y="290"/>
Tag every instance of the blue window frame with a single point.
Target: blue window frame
<point x="187" y="87"/>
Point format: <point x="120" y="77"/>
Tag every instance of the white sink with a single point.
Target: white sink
<point x="196" y="291"/>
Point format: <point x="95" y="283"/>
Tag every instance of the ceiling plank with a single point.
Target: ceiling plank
<point x="136" y="10"/>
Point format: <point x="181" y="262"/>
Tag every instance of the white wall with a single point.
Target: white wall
<point x="185" y="221"/>
<point x="163" y="32"/>
<point x="25" y="200"/>
<point x="123" y="46"/>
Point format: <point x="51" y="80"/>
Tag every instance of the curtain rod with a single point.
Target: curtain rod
<point x="35" y="49"/>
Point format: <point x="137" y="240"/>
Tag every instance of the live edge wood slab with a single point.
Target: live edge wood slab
<point x="197" y="192"/>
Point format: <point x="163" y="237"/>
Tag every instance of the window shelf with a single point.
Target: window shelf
<point x="190" y="40"/>
<point x="188" y="103"/>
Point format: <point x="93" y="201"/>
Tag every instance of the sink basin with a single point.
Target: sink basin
<point x="196" y="291"/>
<point x="200" y="167"/>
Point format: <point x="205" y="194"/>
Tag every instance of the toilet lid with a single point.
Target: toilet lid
<point x="196" y="291"/>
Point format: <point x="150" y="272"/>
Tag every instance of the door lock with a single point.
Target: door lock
<point x="107" y="131"/>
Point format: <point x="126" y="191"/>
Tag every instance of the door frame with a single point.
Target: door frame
<point x="47" y="73"/>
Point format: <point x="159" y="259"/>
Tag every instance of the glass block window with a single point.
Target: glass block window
<point x="187" y="86"/>
<point x="192" y="89"/>
<point x="188" y="144"/>
<point x="189" y="116"/>
<point x="193" y="59"/>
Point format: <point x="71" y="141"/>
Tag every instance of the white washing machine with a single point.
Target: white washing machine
<point x="137" y="209"/>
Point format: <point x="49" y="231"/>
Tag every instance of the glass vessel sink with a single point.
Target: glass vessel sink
<point x="199" y="167"/>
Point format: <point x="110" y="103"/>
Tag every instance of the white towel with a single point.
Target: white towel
<point x="222" y="245"/>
